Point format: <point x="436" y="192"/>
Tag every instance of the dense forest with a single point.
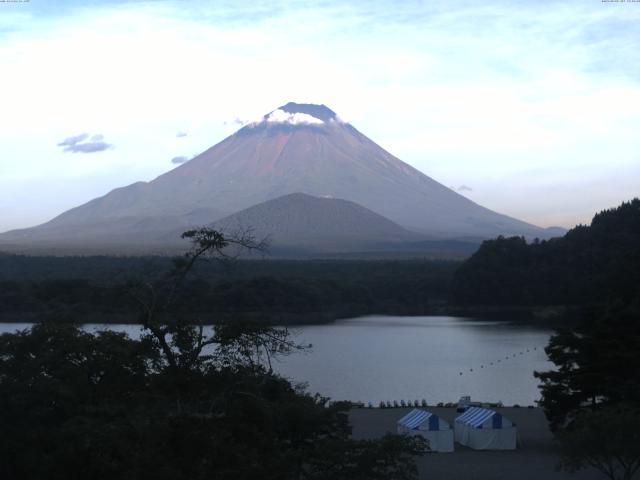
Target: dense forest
<point x="593" y="389"/>
<point x="590" y="264"/>
<point x="99" y="288"/>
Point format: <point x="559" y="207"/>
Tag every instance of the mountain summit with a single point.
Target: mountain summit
<point x="321" y="112"/>
<point x="293" y="115"/>
<point x="302" y="148"/>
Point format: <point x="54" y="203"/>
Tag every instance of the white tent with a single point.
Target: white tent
<point x="483" y="429"/>
<point x="428" y="425"/>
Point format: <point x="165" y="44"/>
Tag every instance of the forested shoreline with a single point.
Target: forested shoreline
<point x="284" y="292"/>
<point x="590" y="264"/>
<point x="72" y="393"/>
<point x="507" y="278"/>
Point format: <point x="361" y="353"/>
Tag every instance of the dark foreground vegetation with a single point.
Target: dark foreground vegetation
<point x="175" y="404"/>
<point x="592" y="398"/>
<point x="75" y="405"/>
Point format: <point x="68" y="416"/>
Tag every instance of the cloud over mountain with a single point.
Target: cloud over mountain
<point x="280" y="116"/>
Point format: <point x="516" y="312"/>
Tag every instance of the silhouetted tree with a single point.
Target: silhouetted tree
<point x="177" y="404"/>
<point x="592" y="399"/>
<point x="596" y="363"/>
<point x="606" y="439"/>
<point x="182" y="342"/>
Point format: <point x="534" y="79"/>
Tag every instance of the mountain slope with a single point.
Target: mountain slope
<point x="300" y="220"/>
<point x="296" y="148"/>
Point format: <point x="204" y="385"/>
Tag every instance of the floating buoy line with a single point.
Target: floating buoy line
<point x="499" y="360"/>
<point x="423" y="403"/>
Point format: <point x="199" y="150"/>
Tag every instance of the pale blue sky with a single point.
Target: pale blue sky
<point x="534" y="105"/>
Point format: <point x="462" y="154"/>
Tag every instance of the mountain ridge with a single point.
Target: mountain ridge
<point x="296" y="148"/>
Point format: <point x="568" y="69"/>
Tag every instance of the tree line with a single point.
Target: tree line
<point x="590" y="264"/>
<point x="289" y="291"/>
<point x="592" y="397"/>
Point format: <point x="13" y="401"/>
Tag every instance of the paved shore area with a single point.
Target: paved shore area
<point x="534" y="459"/>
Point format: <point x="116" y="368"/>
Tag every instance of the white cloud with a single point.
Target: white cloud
<point x="83" y="144"/>
<point x="280" y="116"/>
<point x="507" y="93"/>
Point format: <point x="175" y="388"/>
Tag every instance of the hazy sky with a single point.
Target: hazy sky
<point x="530" y="108"/>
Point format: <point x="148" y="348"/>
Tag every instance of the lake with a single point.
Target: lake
<point x="380" y="358"/>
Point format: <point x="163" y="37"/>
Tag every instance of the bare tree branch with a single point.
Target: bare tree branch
<point x="182" y="343"/>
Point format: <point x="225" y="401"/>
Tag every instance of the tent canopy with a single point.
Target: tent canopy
<point x="422" y="423"/>
<point x="477" y="417"/>
<point x="422" y="420"/>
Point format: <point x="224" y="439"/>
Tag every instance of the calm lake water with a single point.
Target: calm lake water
<point x="407" y="358"/>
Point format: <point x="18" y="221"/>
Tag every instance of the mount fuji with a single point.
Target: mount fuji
<point x="295" y="149"/>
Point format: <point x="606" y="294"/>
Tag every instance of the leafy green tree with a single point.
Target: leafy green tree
<point x="596" y="363"/>
<point x="64" y="393"/>
<point x="592" y="399"/>
<point x="177" y="404"/>
<point x="389" y="457"/>
<point x="606" y="439"/>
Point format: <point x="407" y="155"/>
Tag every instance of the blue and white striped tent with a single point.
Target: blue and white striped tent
<point x="428" y="425"/>
<point x="484" y="429"/>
